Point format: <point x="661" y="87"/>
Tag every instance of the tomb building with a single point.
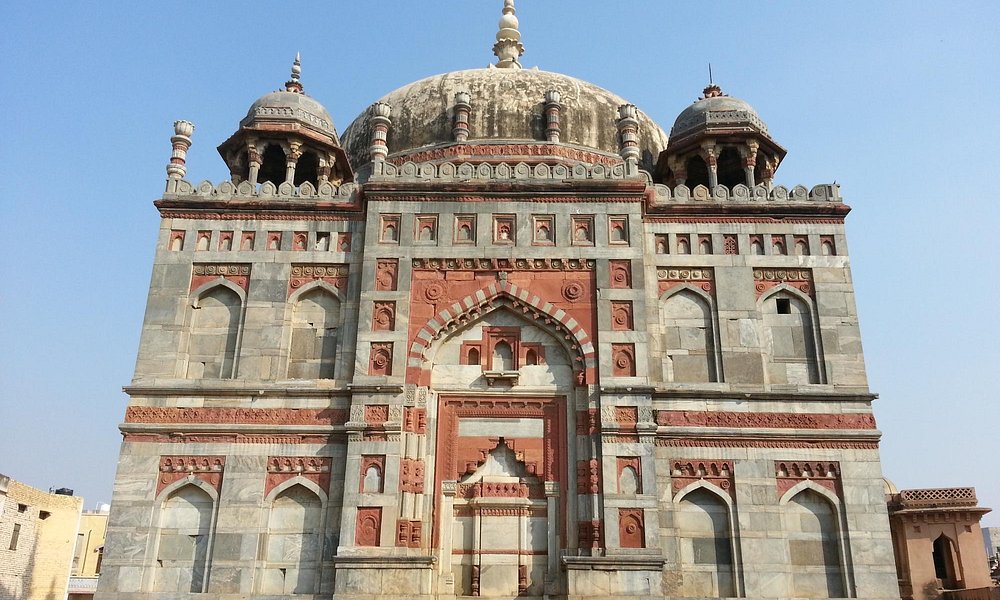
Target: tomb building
<point x="503" y="337"/>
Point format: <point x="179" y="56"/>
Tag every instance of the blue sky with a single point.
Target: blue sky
<point x="890" y="99"/>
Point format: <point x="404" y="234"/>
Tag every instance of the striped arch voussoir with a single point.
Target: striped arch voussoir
<point x="503" y="293"/>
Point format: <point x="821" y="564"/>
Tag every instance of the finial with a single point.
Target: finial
<point x="508" y="47"/>
<point x="711" y="91"/>
<point x="295" y="84"/>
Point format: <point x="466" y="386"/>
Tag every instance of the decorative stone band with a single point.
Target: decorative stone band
<point x="486" y="489"/>
<point x="272" y="213"/>
<point x="487" y="171"/>
<point x="236" y="416"/>
<point x="500" y="511"/>
<point x="790" y="473"/>
<point x="766" y="420"/>
<point x="204" y="468"/>
<point x="498" y="152"/>
<point x="765" y="279"/>
<point x="333" y="274"/>
<point x="747" y="219"/>
<point x="282" y="468"/>
<point x="227" y="191"/>
<point x="228" y="438"/>
<point x="718" y="473"/>
<point x="664" y="196"/>
<point x="503" y="264"/>
<point x="748" y="442"/>
<point x="698" y="277"/>
<point x="202" y="273"/>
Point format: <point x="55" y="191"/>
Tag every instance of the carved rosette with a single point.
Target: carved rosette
<point x="207" y="469"/>
<point x="701" y="278"/>
<point x="380" y="359"/>
<point x="765" y="279"/>
<point x="620" y="272"/>
<point x="237" y="274"/>
<point x="335" y="275"/>
<point x="631" y="528"/>
<point x="385" y="275"/>
<point x="623" y="360"/>
<point x="621" y="316"/>
<point x="384" y="316"/>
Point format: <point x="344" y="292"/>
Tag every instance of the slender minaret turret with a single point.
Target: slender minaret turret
<point x="508" y="47"/>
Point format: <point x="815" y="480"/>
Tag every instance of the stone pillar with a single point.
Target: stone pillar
<point x="710" y="154"/>
<point x="294" y="152"/>
<point x="552" y="499"/>
<point x="181" y="141"/>
<point x="253" y="157"/>
<point x="378" y="149"/>
<point x="680" y="172"/>
<point x="448" y="490"/>
<point x="552" y="110"/>
<point x="460" y="130"/>
<point x="628" y="134"/>
<point x="750" y="156"/>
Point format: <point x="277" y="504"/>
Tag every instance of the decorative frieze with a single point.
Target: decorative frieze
<point x="502" y="264"/>
<point x="684" y="472"/>
<point x="207" y="469"/>
<point x="765" y="279"/>
<point x="236" y="416"/>
<point x="333" y="274"/>
<point x="764" y="420"/>
<point x="282" y="468"/>
<point x="789" y="473"/>
<point x="237" y="274"/>
<point x="702" y="278"/>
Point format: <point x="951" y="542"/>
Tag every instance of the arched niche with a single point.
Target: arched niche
<point x="307" y="169"/>
<point x="697" y="172"/>
<point x="273" y="165"/>
<point x="690" y="341"/>
<point x="292" y="544"/>
<point x="730" y="168"/>
<point x="812" y="528"/>
<point x="705" y="542"/>
<point x="185" y="523"/>
<point x="316" y="319"/>
<point x="945" y="564"/>
<point x="216" y="316"/>
<point x="791" y="348"/>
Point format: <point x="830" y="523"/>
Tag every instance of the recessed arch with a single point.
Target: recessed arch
<point x="708" y="553"/>
<point x="214" y="328"/>
<point x="813" y="526"/>
<point x="316" y="315"/>
<point x="273" y="166"/>
<point x="690" y="335"/>
<point x="792" y="347"/>
<point x="185" y="520"/>
<point x="564" y="328"/>
<point x="292" y="544"/>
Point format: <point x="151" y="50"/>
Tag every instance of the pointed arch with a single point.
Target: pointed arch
<point x="792" y="347"/>
<point x="215" y="325"/>
<point x="315" y="314"/>
<point x="691" y="343"/>
<point x="706" y="539"/>
<point x="292" y="544"/>
<point x="565" y="328"/>
<point x="185" y="520"/>
<point x="813" y="527"/>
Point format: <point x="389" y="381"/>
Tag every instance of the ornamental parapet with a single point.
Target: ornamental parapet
<point x="180" y="189"/>
<point x="961" y="497"/>
<point x="665" y="196"/>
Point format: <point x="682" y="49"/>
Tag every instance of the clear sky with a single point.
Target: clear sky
<point x="890" y="99"/>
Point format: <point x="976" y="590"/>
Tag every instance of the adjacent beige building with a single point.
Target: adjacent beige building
<point x="37" y="541"/>
<point x="89" y="554"/>
<point x="503" y="337"/>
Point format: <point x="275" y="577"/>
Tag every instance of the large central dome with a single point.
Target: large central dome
<point x="507" y="105"/>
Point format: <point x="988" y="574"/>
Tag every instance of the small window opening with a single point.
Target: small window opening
<point x="322" y="241"/>
<point x="784" y="306"/>
<point x="730" y="168"/>
<point x="531" y="357"/>
<point x="272" y="166"/>
<point x="44" y="514"/>
<point x="697" y="172"/>
<point x="22" y="507"/>
<point x="307" y="169"/>
<point x="473" y="356"/>
<point x="15" y="534"/>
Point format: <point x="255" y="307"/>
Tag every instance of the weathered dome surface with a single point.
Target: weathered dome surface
<point x="717" y="111"/>
<point x="291" y="106"/>
<point x="507" y="105"/>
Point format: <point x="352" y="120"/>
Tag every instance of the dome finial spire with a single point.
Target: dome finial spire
<point x="508" y="47"/>
<point x="294" y="84"/>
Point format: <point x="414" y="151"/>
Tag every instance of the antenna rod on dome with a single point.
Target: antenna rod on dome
<point x="710" y="80"/>
<point x="295" y="84"/>
<point x="508" y="47"/>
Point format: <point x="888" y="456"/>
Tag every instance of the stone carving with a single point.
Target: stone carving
<point x="587" y="422"/>
<point x="621" y="316"/>
<point x="583" y="231"/>
<point x="789" y="473"/>
<point x="588" y="476"/>
<point x="415" y="420"/>
<point x="384" y="316"/>
<point x="408" y="533"/>
<point x="385" y="275"/>
<point x="372" y="475"/>
<point x="502" y="150"/>
<point x="629" y="475"/>
<point x="283" y="468"/>
<point x="590" y="534"/>
<point x="572" y="291"/>
<point x="758" y="443"/>
<point x="202" y="273"/>
<point x="620" y="273"/>
<point x="380" y="359"/>
<point x="376" y="414"/>
<point x="767" y="420"/>
<point x="333" y="274"/>
<point x="236" y="416"/>
<point x="502" y="264"/>
<point x="433" y="291"/>
<point x="669" y="278"/>
<point x="765" y="279"/>
<point x="228" y="438"/>
<point x="730" y="244"/>
<point x="411" y="475"/>
<point x="719" y="473"/>
<point x="623" y="360"/>
<point x="204" y="468"/>
<point x="664" y="196"/>
<point x="631" y="528"/>
<point x="176" y="241"/>
<point x="369" y="526"/>
<point x="343" y="242"/>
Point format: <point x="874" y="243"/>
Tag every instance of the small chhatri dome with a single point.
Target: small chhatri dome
<point x="716" y="110"/>
<point x="291" y="104"/>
